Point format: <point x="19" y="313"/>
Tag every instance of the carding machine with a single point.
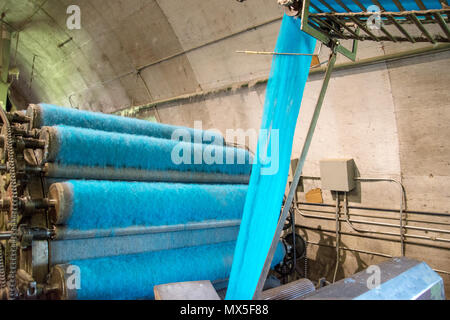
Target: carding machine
<point x="97" y="206"/>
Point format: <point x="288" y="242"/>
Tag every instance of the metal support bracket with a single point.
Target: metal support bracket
<point x="325" y="38"/>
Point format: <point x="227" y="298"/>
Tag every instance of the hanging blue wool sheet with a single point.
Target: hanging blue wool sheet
<point x="87" y="147"/>
<point x="284" y="93"/>
<point x="50" y="115"/>
<point x="107" y="204"/>
<point x="134" y="276"/>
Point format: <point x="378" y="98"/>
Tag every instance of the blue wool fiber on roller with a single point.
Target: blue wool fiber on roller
<point x="108" y="204"/>
<point x="54" y="115"/>
<point x="266" y="189"/>
<point x="87" y="147"/>
<point x="134" y="276"/>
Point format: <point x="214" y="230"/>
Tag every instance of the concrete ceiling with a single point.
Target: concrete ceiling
<point x="132" y="52"/>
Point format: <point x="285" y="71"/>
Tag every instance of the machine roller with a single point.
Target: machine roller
<point x="86" y="205"/>
<point x="49" y="115"/>
<point x="102" y="194"/>
<point x="99" y="149"/>
<point x="134" y="276"/>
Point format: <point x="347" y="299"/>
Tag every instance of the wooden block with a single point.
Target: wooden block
<point x="315" y="62"/>
<point x="190" y="290"/>
<point x="314" y="196"/>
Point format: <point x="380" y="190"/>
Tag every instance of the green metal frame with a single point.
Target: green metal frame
<point x="323" y="37"/>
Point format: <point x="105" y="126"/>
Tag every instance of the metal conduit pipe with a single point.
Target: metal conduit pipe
<point x="382" y="232"/>
<point x="378" y="224"/>
<point x="387" y="218"/>
<point x="402" y="202"/>
<point x="396" y="226"/>
<point x="338" y="240"/>
<point x="349" y="222"/>
<point x="366" y="252"/>
<point x="442" y="271"/>
<point x="427" y="213"/>
<point x="366" y="235"/>
<point x="347" y="218"/>
<point x="377" y="209"/>
<point x="416" y="236"/>
<point x="427" y="229"/>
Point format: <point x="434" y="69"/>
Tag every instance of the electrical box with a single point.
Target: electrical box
<point x="337" y="174"/>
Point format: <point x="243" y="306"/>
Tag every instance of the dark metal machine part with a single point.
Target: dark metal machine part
<point x="404" y="273"/>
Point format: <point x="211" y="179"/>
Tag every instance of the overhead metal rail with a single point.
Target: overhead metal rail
<point x="325" y="26"/>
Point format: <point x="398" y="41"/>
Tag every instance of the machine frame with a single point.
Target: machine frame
<point x="330" y="29"/>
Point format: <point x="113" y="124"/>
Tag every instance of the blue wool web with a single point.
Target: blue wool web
<point x="107" y="204"/>
<point x="265" y="193"/>
<point x="87" y="147"/>
<point x="53" y="115"/>
<point x="134" y="276"/>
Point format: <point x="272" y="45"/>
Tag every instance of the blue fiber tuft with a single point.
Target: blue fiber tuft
<point x="134" y="276"/>
<point x="87" y="147"/>
<point x="52" y="115"/>
<point x="114" y="204"/>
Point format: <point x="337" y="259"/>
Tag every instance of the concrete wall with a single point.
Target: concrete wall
<point x="392" y="118"/>
<point x="132" y="52"/>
